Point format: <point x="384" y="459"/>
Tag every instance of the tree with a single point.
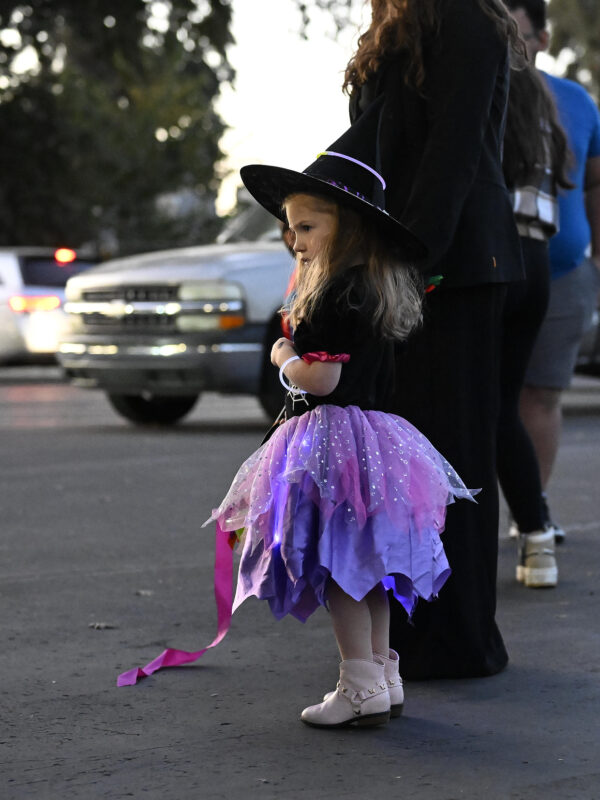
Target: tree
<point x="340" y="11"/>
<point x="107" y="120"/>
<point x="576" y="35"/>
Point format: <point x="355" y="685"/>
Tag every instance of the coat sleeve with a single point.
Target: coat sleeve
<point x="463" y="67"/>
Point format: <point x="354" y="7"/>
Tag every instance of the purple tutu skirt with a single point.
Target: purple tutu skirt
<point x="359" y="496"/>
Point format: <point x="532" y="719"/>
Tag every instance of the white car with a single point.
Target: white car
<point x="155" y="330"/>
<point x="32" y="281"/>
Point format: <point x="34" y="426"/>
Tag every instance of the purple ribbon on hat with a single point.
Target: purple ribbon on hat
<point x="355" y="161"/>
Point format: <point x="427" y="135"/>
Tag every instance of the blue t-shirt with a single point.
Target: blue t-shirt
<point x="581" y="121"/>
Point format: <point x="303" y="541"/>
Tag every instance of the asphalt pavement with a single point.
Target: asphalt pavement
<point x="103" y="564"/>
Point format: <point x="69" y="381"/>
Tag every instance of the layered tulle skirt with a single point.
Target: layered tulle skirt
<point x="358" y="496"/>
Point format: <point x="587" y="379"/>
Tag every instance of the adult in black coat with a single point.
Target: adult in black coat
<point x="443" y="68"/>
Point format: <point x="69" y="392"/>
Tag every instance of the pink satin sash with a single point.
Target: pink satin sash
<point x="223" y="580"/>
<point x="321" y="355"/>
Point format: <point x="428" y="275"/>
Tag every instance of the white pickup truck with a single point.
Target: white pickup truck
<point x="155" y="330"/>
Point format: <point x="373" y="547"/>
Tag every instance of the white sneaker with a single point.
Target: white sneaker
<point x="536" y="567"/>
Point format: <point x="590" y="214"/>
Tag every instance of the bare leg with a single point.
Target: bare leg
<point x="379" y="607"/>
<point x="362" y="627"/>
<point x="541" y="414"/>
<point x="351" y="623"/>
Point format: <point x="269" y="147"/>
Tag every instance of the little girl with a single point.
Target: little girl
<point x="344" y="501"/>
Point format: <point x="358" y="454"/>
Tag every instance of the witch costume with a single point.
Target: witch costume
<point x="341" y="489"/>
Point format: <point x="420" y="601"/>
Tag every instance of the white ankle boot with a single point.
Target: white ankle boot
<point x="391" y="671"/>
<point x="361" y="698"/>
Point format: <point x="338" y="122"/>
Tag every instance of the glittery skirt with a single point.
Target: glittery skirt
<point x="359" y="496"/>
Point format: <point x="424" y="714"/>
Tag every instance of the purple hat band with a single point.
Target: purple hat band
<point x="354" y="161"/>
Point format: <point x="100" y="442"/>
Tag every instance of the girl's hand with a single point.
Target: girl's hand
<point x="317" y="378"/>
<point x="281" y="351"/>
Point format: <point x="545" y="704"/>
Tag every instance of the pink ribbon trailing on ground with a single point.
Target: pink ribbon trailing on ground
<point x="223" y="580"/>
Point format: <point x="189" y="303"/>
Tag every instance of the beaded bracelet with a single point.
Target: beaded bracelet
<point x="293" y="389"/>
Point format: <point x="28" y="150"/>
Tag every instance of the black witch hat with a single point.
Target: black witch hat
<point x="347" y="172"/>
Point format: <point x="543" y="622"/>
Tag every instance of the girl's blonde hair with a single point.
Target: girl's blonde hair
<point x="393" y="289"/>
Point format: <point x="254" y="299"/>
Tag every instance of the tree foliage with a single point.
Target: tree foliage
<point x="107" y="121"/>
<point x="340" y="11"/>
<point x="576" y="33"/>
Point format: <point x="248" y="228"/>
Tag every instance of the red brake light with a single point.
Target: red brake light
<point x="64" y="255"/>
<point x="25" y="304"/>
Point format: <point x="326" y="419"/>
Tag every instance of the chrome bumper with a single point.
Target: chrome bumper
<point x="163" y="367"/>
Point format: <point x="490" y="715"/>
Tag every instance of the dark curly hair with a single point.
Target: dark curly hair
<point x="404" y="25"/>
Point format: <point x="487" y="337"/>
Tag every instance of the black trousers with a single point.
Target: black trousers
<point x="524" y="311"/>
<point x="447" y="384"/>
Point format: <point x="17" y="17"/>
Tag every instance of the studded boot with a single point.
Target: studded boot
<point x="391" y="671"/>
<point x="361" y="698"/>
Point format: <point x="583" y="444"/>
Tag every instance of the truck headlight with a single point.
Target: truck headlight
<point x="72" y="292"/>
<point x="210" y="291"/>
<point x="210" y="306"/>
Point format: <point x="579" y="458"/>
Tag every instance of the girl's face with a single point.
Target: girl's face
<point x="313" y="223"/>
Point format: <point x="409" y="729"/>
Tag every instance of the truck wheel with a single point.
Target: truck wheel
<point x="150" y="409"/>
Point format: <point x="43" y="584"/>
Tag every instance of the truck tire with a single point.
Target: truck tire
<point x="150" y="409"/>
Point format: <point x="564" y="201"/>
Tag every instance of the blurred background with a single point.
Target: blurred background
<point x="123" y="124"/>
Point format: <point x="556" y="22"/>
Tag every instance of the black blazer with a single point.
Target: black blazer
<point x="440" y="149"/>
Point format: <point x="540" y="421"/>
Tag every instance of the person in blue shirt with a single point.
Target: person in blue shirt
<point x="535" y="162"/>
<point x="574" y="256"/>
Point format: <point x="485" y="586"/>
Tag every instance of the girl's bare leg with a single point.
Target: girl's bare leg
<point x="362" y="627"/>
<point x="351" y="623"/>
<point x="379" y="608"/>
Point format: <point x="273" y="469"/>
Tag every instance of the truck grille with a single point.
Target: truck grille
<point x="132" y="294"/>
<point x="152" y="309"/>
<point x="142" y="320"/>
<point x="133" y="322"/>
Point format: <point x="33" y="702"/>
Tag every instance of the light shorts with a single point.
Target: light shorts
<point x="573" y="299"/>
